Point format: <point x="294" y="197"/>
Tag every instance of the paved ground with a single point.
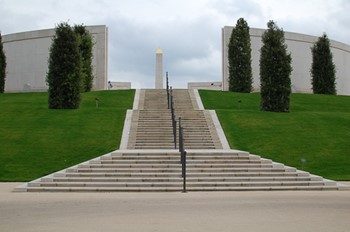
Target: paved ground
<point x="204" y="211"/>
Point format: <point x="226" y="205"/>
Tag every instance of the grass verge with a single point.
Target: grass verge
<point x="36" y="141"/>
<point x="317" y="130"/>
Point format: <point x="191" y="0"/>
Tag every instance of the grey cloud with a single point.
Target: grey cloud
<point x="188" y="49"/>
<point x="189" y="33"/>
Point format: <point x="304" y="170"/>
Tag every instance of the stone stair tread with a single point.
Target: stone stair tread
<point x="265" y="188"/>
<point x="106" y="184"/>
<point x="174" y="178"/>
<point x="189" y="175"/>
<point x="103" y="189"/>
<point x="178" y="178"/>
<point x="189" y="170"/>
<point x="172" y="160"/>
<point x="259" y="183"/>
<point x="175" y="165"/>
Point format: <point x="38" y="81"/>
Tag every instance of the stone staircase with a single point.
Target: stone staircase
<point x="150" y="163"/>
<point x="151" y="126"/>
<point x="152" y="171"/>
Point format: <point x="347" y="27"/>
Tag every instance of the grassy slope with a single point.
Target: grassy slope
<point x="36" y="141"/>
<point x="317" y="129"/>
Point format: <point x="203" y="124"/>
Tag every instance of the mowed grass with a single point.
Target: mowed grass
<point x="36" y="141"/>
<point x="316" y="130"/>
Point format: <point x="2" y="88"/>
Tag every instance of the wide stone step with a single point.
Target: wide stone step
<point x="107" y="170"/>
<point x="130" y="166"/>
<point x="260" y="183"/>
<point x="175" y="165"/>
<point x="154" y="147"/>
<point x="190" y="154"/>
<point x="172" y="179"/>
<point x="233" y="170"/>
<point x="189" y="175"/>
<point x="174" y="169"/>
<point x="178" y="189"/>
<point x="175" y="160"/>
<point x="161" y="146"/>
<point x="119" y="175"/>
<point x="191" y="186"/>
<point x="264" y="188"/>
<point x="170" y="136"/>
<point x="178" y="178"/>
<point x="169" y="141"/>
<point x="103" y="189"/>
<point x="106" y="184"/>
<point x="190" y="159"/>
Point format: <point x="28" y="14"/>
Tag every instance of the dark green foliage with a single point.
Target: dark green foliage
<point x="323" y="68"/>
<point x="2" y="67"/>
<point x="239" y="57"/>
<point x="64" y="75"/>
<point x="85" y="48"/>
<point x="275" y="70"/>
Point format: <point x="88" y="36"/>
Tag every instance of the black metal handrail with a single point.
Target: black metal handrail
<point x="173" y="116"/>
<point x="183" y="154"/>
<point x="167" y="90"/>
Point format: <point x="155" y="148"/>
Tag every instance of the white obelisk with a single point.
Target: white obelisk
<point x="159" y="69"/>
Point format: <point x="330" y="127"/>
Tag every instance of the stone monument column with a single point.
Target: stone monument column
<point x="159" y="69"/>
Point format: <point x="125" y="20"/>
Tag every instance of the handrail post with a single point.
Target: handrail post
<point x="167" y="89"/>
<point x="173" y="116"/>
<point x="183" y="155"/>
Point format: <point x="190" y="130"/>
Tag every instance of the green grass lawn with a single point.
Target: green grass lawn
<point x="36" y="141"/>
<point x="317" y="129"/>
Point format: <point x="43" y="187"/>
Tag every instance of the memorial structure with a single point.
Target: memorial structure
<point x="159" y="69"/>
<point x="27" y="56"/>
<point x="299" y="45"/>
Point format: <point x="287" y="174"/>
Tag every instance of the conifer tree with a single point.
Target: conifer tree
<point x="64" y="74"/>
<point x="323" y="68"/>
<point x="2" y="66"/>
<point x="239" y="57"/>
<point x="85" y="48"/>
<point x="275" y="70"/>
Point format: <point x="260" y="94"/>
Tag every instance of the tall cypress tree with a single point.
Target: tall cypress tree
<point x="64" y="74"/>
<point x="275" y="70"/>
<point x="322" y="68"/>
<point x="85" y="48"/>
<point x="2" y="67"/>
<point x="239" y="57"/>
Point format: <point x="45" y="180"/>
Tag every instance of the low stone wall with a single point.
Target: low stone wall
<point x="205" y="85"/>
<point x="119" y="85"/>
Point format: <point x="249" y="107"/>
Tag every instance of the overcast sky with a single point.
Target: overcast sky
<point x="188" y="31"/>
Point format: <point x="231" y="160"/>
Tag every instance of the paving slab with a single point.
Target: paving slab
<point x="306" y="211"/>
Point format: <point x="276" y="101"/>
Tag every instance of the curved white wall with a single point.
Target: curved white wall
<point x="27" y="56"/>
<point x="299" y="45"/>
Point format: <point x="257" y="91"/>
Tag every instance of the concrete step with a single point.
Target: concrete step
<point x="189" y="175"/>
<point x="178" y="189"/>
<point x="175" y="165"/>
<point x="160" y="146"/>
<point x="175" y="160"/>
<point x="103" y="189"/>
<point x="264" y="188"/>
<point x="107" y="184"/>
<point x="178" y="178"/>
<point x="177" y="169"/>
